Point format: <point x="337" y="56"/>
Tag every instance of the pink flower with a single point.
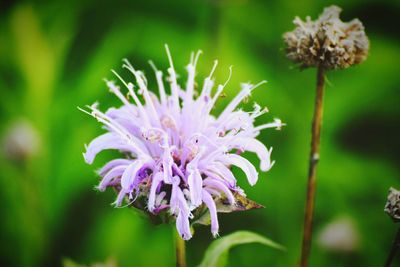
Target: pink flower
<point x="177" y="156"/>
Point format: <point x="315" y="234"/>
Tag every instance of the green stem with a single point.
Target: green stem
<point x="312" y="171"/>
<point x="180" y="250"/>
<point x="393" y="250"/>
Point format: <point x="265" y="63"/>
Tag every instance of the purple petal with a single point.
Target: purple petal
<point x="209" y="201"/>
<point x="195" y="186"/>
<point x="157" y="178"/>
<point x="120" y="198"/>
<point x="128" y="177"/>
<point x="177" y="170"/>
<point x="213" y="191"/>
<point x="183" y="226"/>
<point x="113" y="173"/>
<point x="255" y="146"/>
<point x="127" y="117"/>
<point x="219" y="170"/>
<point x="160" y="198"/>
<point x="112" y="164"/>
<point x="103" y="142"/>
<point x="160" y="208"/>
<point x="220" y="186"/>
<point x="179" y="204"/>
<point x="174" y="195"/>
<point x="244" y="164"/>
<point x="167" y="166"/>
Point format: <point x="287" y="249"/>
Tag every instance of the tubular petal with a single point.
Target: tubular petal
<point x="208" y="200"/>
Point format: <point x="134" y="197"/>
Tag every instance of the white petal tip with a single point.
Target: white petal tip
<point x="253" y="182"/>
<point x="266" y="165"/>
<point x="100" y="188"/>
<point x="215" y="234"/>
<point x="87" y="159"/>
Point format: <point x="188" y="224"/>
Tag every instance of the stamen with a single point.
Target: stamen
<point x="130" y="86"/>
<point x="174" y="85"/>
<point x="160" y="83"/>
<point x="276" y="124"/>
<point x="142" y="85"/>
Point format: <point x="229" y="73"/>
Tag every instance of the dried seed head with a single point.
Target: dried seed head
<point x="327" y="42"/>
<point x="392" y="206"/>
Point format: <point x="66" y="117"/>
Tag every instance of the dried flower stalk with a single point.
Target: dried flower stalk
<point x="392" y="208"/>
<point x="326" y="43"/>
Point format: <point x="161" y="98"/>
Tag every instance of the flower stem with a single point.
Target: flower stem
<point x="312" y="171"/>
<point x="180" y="250"/>
<point x="393" y="250"/>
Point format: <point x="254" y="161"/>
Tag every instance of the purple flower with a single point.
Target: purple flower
<point x="176" y="155"/>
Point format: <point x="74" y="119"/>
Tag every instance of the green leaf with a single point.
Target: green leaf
<point x="217" y="253"/>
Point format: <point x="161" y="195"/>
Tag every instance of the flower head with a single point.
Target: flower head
<point x="176" y="156"/>
<point x="327" y="41"/>
<point x="392" y="207"/>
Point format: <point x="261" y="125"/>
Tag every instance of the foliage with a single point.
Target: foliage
<point x="217" y="253"/>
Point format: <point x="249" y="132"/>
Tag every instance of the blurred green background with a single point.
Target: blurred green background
<point x="53" y="56"/>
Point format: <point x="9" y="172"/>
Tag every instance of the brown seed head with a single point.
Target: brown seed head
<point x="327" y="42"/>
<point x="392" y="206"/>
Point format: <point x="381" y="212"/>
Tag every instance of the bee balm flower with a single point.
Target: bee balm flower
<point x="176" y="156"/>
